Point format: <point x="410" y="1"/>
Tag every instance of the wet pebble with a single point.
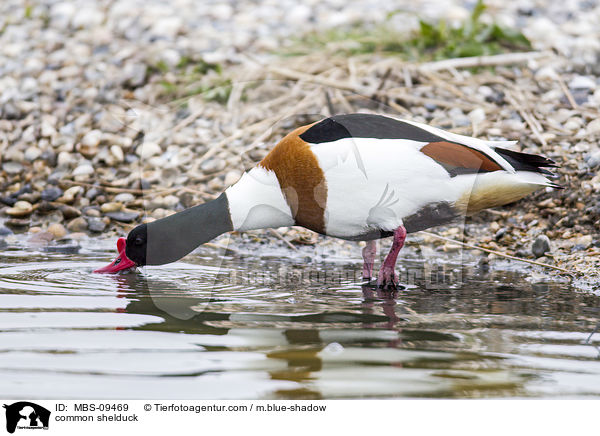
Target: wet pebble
<point x="96" y="224"/>
<point x="122" y="216"/>
<point x="41" y="238"/>
<point x="78" y="224"/>
<point x="69" y="247"/>
<point x="540" y="246"/>
<point x="69" y="212"/>
<point x="17" y="222"/>
<point x="58" y="230"/>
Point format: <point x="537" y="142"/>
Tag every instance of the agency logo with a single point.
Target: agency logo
<point x="26" y="415"/>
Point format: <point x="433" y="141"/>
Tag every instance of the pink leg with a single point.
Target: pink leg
<point x="369" y="253"/>
<point x="387" y="277"/>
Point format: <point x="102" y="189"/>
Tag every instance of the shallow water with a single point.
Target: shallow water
<point x="213" y="327"/>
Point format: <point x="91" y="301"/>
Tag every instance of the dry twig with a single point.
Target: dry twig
<point x="499" y="253"/>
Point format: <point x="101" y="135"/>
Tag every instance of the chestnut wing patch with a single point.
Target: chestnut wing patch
<point x="459" y="159"/>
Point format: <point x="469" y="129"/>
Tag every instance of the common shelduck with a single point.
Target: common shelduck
<point x="358" y="177"/>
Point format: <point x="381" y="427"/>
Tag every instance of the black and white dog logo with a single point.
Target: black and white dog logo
<point x="26" y="415"/>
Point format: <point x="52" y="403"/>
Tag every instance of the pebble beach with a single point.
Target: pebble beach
<point x="114" y="113"/>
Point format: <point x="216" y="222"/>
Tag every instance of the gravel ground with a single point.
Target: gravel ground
<point x="93" y="139"/>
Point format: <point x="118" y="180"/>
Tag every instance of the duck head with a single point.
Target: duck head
<point x="169" y="239"/>
<point x="132" y="252"/>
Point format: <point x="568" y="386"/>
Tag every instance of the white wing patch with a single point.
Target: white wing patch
<point x="397" y="181"/>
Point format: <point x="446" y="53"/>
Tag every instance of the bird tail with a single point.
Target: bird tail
<point x="529" y="162"/>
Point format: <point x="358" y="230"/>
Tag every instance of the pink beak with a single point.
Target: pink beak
<point x="122" y="262"/>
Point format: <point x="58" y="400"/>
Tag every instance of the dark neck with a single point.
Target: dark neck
<point x="171" y="238"/>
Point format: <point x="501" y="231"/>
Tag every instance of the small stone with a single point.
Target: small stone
<point x="78" y="236"/>
<point x="500" y="233"/>
<point x="12" y="167"/>
<point x="166" y="27"/>
<point x="215" y="184"/>
<point x="32" y="153"/>
<point x="582" y="82"/>
<point x="41" y="238"/>
<point x="593" y="160"/>
<point x="47" y="130"/>
<point x="540" y="246"/>
<point x="70" y="194"/>
<point x="69" y="212"/>
<point x="148" y="149"/>
<point x="30" y="197"/>
<point x="124" y="217"/>
<point x="17" y="222"/>
<point x="477" y="115"/>
<point x="20" y="209"/>
<point x="9" y="201"/>
<point x="68" y="247"/>
<point x="586" y="241"/>
<point x="83" y="170"/>
<point x="111" y="207"/>
<point x="593" y="127"/>
<point x="231" y="177"/>
<point x="57" y="229"/>
<point x="96" y="224"/>
<point x="546" y="73"/>
<point x="92" y="193"/>
<point x="170" y="201"/>
<point x="90" y="211"/>
<point x="64" y="159"/>
<point x="77" y="225"/>
<point x="212" y="165"/>
<point x="124" y="197"/>
<point x="134" y="74"/>
<point x="86" y="17"/>
<point x="4" y="231"/>
<point x="87" y="151"/>
<point x="117" y="153"/>
<point x="52" y="193"/>
<point x="92" y="138"/>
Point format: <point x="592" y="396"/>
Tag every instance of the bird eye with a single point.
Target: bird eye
<point x="139" y="240"/>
